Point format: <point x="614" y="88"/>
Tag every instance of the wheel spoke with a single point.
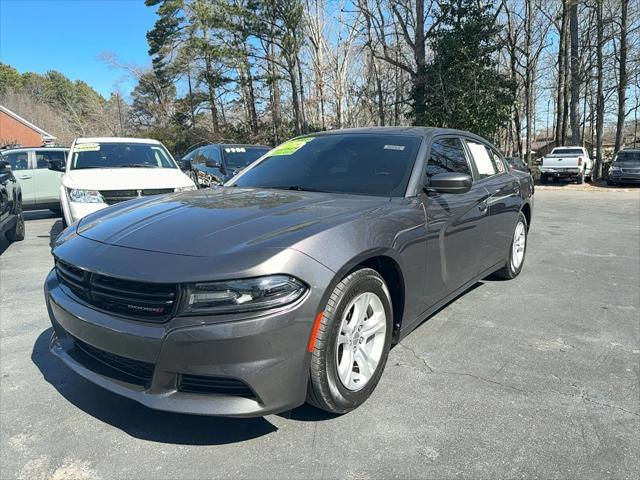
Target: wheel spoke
<point x="374" y="325"/>
<point x="343" y="339"/>
<point x="365" y="363"/>
<point x="345" y="368"/>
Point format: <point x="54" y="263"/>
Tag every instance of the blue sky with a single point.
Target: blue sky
<point x="69" y="35"/>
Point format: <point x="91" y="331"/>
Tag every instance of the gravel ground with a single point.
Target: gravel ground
<point x="536" y="377"/>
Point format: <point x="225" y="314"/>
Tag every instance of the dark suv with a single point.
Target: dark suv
<point x="215" y="164"/>
<point x="625" y="167"/>
<point x="11" y="218"/>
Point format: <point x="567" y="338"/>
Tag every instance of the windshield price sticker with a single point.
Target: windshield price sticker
<point x="87" y="147"/>
<point x="394" y="147"/>
<point x="292" y="146"/>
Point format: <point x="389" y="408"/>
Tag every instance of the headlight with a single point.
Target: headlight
<point x="85" y="196"/>
<point x="615" y="169"/>
<point x="242" y="295"/>
<point x="185" y="189"/>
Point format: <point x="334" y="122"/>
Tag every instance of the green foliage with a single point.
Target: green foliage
<point x="461" y="86"/>
<point x="10" y="78"/>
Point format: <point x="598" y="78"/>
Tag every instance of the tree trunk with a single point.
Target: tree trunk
<point x="599" y="93"/>
<point x="380" y="93"/>
<point x="291" y="70"/>
<point x="561" y="76"/>
<point x="575" y="74"/>
<point x="303" y="117"/>
<point x="623" y="79"/>
<point x="527" y="80"/>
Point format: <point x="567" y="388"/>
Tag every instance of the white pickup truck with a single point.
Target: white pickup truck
<point x="566" y="162"/>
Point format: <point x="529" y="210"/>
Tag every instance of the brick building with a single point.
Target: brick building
<point x="15" y="130"/>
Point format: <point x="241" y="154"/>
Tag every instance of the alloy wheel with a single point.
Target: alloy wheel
<point x="519" y="244"/>
<point x="361" y="340"/>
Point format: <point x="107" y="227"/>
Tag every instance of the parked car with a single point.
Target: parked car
<point x="40" y="186"/>
<point x="291" y="281"/>
<point x="625" y="167"/>
<point x="516" y="163"/>
<point x="95" y="175"/>
<point x="11" y="217"/>
<point x="215" y="164"/>
<point x="571" y="163"/>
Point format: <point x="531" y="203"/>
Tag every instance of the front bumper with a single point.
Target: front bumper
<point x="624" y="177"/>
<point x="265" y="353"/>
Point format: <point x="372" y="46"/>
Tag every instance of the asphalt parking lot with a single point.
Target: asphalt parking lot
<point x="536" y="377"/>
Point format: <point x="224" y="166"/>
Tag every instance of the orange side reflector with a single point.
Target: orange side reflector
<point x="314" y="332"/>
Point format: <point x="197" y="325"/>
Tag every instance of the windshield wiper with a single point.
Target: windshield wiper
<point x="135" y="166"/>
<point x="300" y="189"/>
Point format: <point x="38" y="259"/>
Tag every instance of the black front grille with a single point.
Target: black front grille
<point x="631" y="170"/>
<point x="112" y="197"/>
<point x="127" y="369"/>
<point x="219" y="385"/>
<point x="145" y="301"/>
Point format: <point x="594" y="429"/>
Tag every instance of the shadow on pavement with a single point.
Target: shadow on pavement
<point x="136" y="419"/>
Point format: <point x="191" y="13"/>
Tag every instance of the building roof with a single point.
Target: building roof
<point x="45" y="135"/>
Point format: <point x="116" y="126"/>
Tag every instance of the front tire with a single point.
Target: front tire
<point x="352" y="343"/>
<point x="16" y="234"/>
<point x="517" y="251"/>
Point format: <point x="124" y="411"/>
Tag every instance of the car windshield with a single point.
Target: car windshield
<point x="628" y="157"/>
<point x="240" y="156"/>
<point x="567" y="151"/>
<point x="120" y="155"/>
<point x="360" y="164"/>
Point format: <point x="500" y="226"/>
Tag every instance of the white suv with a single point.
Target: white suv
<point x="104" y="171"/>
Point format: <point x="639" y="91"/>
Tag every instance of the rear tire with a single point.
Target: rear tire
<point x="358" y="318"/>
<point x="544" y="178"/>
<point x="16" y="234"/>
<point x="515" y="261"/>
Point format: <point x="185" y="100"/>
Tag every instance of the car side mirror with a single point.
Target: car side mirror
<point x="450" y="182"/>
<point x="4" y="166"/>
<point x="56" y="165"/>
<point x="185" y="165"/>
<point x="212" y="164"/>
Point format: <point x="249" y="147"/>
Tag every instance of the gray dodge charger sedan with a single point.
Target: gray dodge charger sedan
<point x="292" y="281"/>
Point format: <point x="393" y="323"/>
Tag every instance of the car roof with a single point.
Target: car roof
<point x="232" y="145"/>
<point x="26" y="149"/>
<point x="410" y="130"/>
<point x="115" y="140"/>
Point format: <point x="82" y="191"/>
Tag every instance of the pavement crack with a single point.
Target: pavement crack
<point x="417" y="357"/>
<point x="483" y="379"/>
<point x="602" y="404"/>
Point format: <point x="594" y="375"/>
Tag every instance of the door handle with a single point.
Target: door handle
<point x="24" y="177"/>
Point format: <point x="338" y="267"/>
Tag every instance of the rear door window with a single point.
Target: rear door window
<point x="487" y="162"/>
<point x="44" y="157"/>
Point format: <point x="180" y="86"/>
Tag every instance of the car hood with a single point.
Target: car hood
<point x="125" y="178"/>
<point x="224" y="220"/>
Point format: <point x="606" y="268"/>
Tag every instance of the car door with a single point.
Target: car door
<point x="212" y="175"/>
<point x="503" y="201"/>
<point x="47" y="182"/>
<point x="23" y="172"/>
<point x="455" y="223"/>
